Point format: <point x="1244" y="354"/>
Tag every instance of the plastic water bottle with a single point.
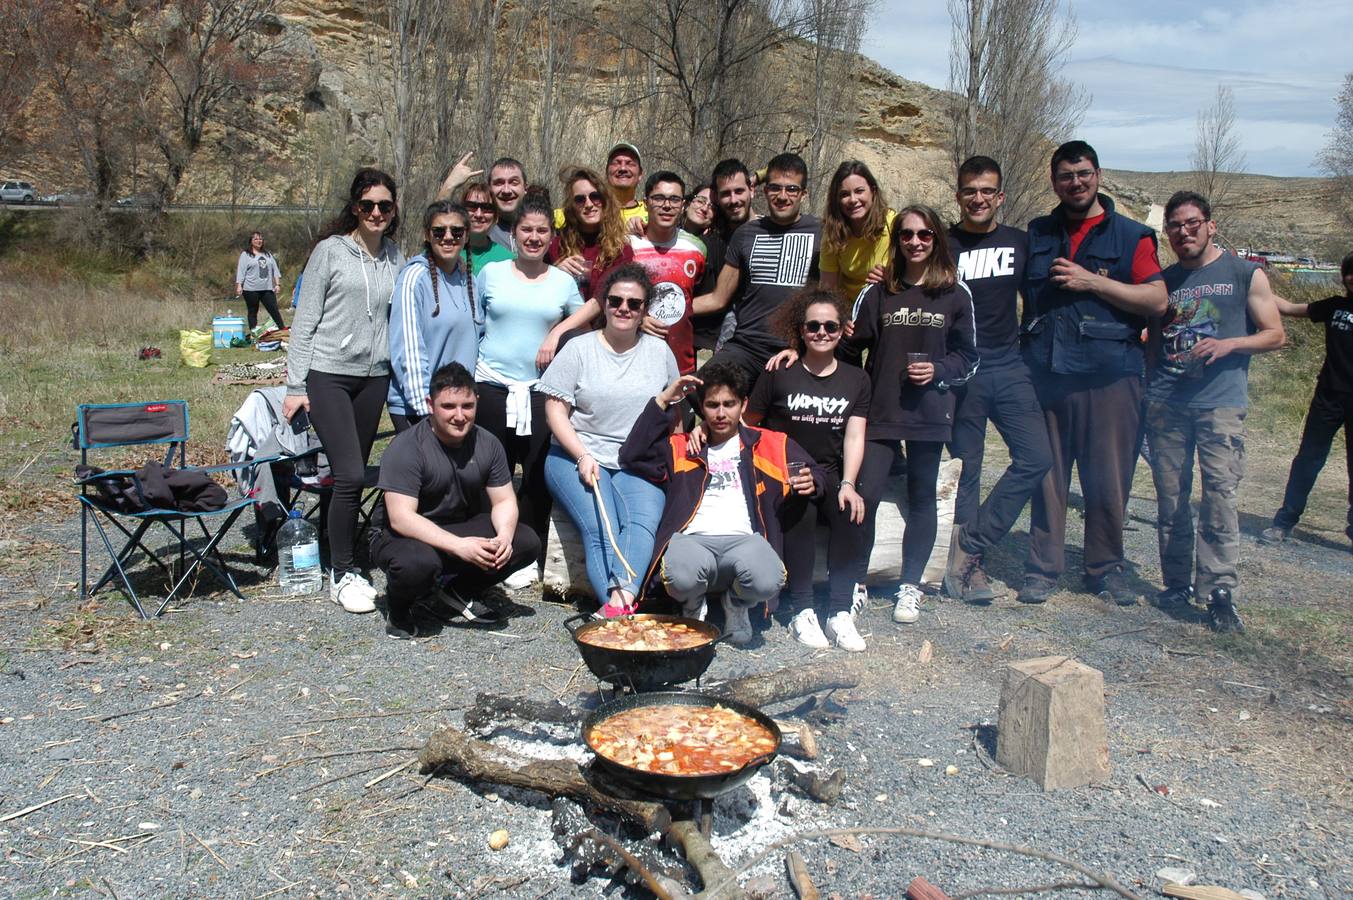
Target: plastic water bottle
<point x="298" y="568"/>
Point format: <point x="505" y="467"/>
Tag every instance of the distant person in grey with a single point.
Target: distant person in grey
<point x="258" y="278"/>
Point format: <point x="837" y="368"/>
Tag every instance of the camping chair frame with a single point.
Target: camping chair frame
<point x="109" y="425"/>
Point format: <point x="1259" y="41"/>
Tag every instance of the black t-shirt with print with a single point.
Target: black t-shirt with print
<point x="1337" y="314"/>
<point x="450" y="483"/>
<point x="812" y="409"/>
<point x="992" y="266"/>
<point x="774" y="261"/>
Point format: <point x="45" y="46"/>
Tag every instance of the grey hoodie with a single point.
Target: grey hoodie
<point x="343" y="312"/>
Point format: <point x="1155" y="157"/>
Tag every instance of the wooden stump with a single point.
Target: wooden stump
<point x="1051" y="725"/>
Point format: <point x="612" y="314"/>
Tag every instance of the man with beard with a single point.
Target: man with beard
<point x="768" y="258"/>
<point x="991" y="262"/>
<point x="507" y="185"/>
<point x="1090" y="283"/>
<point x="1221" y="311"/>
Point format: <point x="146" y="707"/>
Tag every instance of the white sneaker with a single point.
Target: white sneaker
<point x="737" y="622"/>
<point x="697" y="610"/>
<point x="807" y="631"/>
<point x="859" y="600"/>
<point x="352" y="592"/>
<point x="841" y="629"/>
<point x="907" y="610"/>
<point x="522" y="578"/>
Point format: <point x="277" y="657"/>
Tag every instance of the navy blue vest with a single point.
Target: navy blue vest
<point x="1075" y="332"/>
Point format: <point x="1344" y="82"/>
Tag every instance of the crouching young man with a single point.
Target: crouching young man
<point x="447" y="528"/>
<point x="720" y="528"/>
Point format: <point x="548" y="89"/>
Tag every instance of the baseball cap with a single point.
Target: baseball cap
<point x="628" y="148"/>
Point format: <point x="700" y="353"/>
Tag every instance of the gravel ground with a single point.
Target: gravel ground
<point x="250" y="779"/>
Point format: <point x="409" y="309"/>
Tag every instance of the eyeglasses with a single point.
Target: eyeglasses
<point x="813" y="326"/>
<point x="987" y="192"/>
<point x="455" y="232"/>
<point x="924" y="235"/>
<point x="666" y="200"/>
<point x="367" y="206"/>
<point x="789" y="190"/>
<point x="479" y="206"/>
<point x="1069" y="177"/>
<point x="1189" y="225"/>
<point x="698" y="200"/>
<point x="633" y="304"/>
<point x="595" y="197"/>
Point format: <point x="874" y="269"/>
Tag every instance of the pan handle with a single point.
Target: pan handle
<point x="580" y="617"/>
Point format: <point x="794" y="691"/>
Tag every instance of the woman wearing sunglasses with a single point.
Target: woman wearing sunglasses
<point x="855" y="228"/>
<point x="432" y="314"/>
<point x="822" y="404"/>
<point x="592" y="239"/>
<point x="480" y="249"/>
<point x="522" y="301"/>
<point x="338" y="361"/>
<point x="917" y="324"/>
<point x="596" y="388"/>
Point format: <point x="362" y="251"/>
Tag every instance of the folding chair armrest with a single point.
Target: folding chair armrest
<point x="242" y="464"/>
<point x="113" y="473"/>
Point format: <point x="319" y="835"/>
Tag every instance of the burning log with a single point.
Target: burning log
<point x="481" y="761"/>
<point x="589" y="846"/>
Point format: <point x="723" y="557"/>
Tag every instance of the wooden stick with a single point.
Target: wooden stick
<point x="921" y="889"/>
<point x="1032" y="889"/>
<point x="20" y="813"/>
<point x="395" y="771"/>
<point x="799" y="879"/>
<point x="204" y="846"/>
<point x="720" y="882"/>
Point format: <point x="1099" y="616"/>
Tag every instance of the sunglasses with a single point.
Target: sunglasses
<point x="581" y="200"/>
<point x="924" y="235"/>
<point x="633" y="304"/>
<point x="813" y="326"/>
<point x="455" y="232"/>
<point x="367" y="206"/>
<point x="478" y="206"/>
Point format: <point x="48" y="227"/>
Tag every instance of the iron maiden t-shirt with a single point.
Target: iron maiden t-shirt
<point x="812" y="409"/>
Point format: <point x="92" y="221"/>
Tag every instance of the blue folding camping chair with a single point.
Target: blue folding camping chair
<point x="111" y="425"/>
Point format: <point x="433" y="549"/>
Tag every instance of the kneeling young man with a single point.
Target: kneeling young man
<point x="720" y="529"/>
<point x="449" y="526"/>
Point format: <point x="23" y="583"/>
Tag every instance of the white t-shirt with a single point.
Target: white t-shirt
<point x="724" y="507"/>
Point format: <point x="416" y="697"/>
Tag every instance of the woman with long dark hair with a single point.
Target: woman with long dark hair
<point x="856" y="224"/>
<point x="258" y="278"/>
<point x="918" y="326"/>
<point x="823" y="404"/>
<point x="338" y="361"/>
<point x="433" y="320"/>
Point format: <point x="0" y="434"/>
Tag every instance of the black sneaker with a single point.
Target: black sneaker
<point x="404" y="627"/>
<point x="1174" y="598"/>
<point x="460" y="609"/>
<point x="1274" y="534"/>
<point x="1036" y="589"/>
<point x="1113" y="585"/>
<point x="1221" y="613"/>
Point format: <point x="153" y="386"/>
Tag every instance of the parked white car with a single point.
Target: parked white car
<point x="17" y="192"/>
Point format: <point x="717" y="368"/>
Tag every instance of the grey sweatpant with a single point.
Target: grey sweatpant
<point x="699" y="564"/>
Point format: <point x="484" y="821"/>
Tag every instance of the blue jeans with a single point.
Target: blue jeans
<point x="634" y="507"/>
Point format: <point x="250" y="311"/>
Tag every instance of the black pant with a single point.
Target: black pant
<point x="346" y="412"/>
<point x="1007" y="398"/>
<point x="528" y="451"/>
<point x="413" y="568"/>
<point x="847" y="553"/>
<point x="923" y="467"/>
<point x="269" y="300"/>
<point x="403" y="423"/>
<point x="1330" y="411"/>
<point x="751" y="359"/>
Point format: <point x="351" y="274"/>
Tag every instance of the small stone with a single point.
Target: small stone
<point x="165" y="645"/>
<point x="925" y="763"/>
<point x="1172" y="875"/>
<point x="498" y="840"/>
<point x="951" y="770"/>
<point x="1244" y="715"/>
<point x="492" y="797"/>
<point x="195" y="793"/>
<point x="149" y="826"/>
<point x="1210" y="804"/>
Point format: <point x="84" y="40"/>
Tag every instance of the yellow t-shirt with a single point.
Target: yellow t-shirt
<point x="853" y="261"/>
<point x="626" y="213"/>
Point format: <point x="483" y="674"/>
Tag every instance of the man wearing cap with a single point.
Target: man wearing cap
<point x="624" y="173"/>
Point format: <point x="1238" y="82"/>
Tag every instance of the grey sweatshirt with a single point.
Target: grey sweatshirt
<point x="343" y="312"/>
<point x="257" y="273"/>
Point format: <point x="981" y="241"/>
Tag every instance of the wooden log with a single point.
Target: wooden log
<point x="799" y="879"/>
<point x="713" y="871"/>
<point x="1051" y="723"/>
<point x="788" y="683"/>
<point x="1200" y="892"/>
<point x="920" y="889"/>
<point x="479" y="761"/>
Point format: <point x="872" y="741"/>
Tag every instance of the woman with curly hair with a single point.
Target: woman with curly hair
<point x="855" y="228"/>
<point x="592" y="239"/>
<point x="822" y="403"/>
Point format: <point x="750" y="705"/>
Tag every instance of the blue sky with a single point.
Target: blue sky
<point x="1152" y="65"/>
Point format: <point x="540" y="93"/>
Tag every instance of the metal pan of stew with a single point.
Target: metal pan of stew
<point x="646" y="652"/>
<point x="680" y="745"/>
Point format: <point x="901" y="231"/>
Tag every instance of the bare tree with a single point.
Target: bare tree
<point x="835" y="27"/>
<point x="1336" y="160"/>
<point x="1005" y="61"/>
<point x="1217" y="155"/>
<point x="18" y="69"/>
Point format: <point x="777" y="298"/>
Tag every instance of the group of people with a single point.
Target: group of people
<point x="563" y="342"/>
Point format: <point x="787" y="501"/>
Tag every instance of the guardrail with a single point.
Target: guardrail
<point x="46" y="205"/>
